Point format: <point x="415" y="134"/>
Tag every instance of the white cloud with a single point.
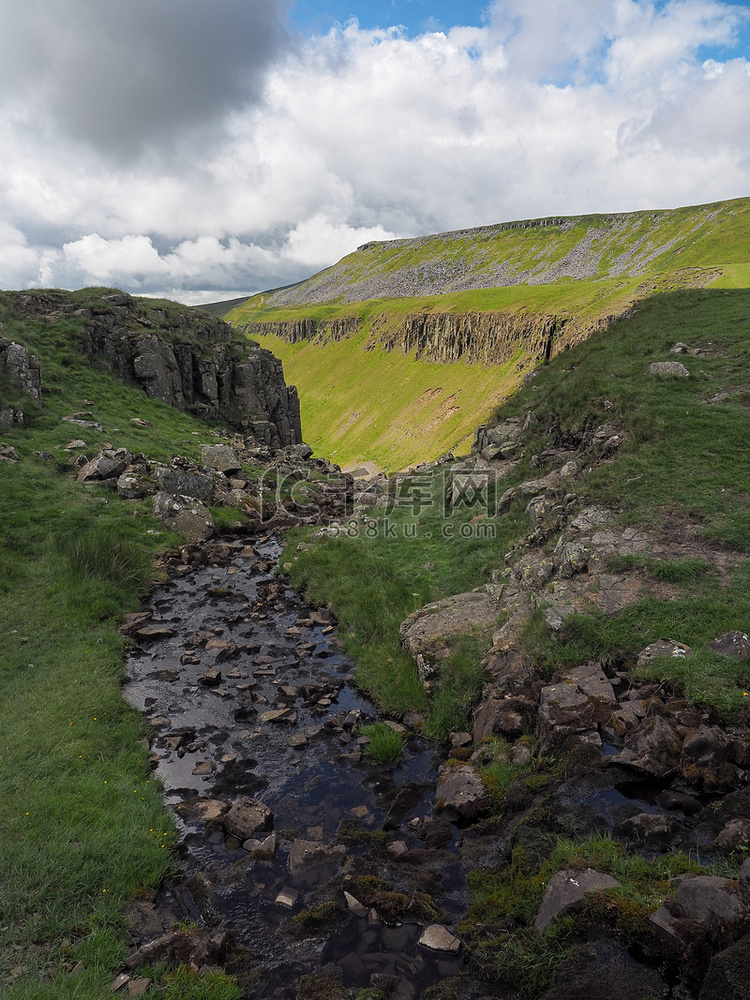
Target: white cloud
<point x="602" y="105"/>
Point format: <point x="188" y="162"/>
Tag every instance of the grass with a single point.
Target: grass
<point x="386" y="746"/>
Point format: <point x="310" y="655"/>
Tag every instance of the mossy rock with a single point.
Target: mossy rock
<point x="316" y="919"/>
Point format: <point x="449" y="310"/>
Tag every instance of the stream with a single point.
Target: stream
<point x="249" y="694"/>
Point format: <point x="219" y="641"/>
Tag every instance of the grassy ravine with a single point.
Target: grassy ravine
<point x="363" y="402"/>
<point x="83" y="828"/>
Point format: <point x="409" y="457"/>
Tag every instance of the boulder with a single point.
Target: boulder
<point x="185" y="483"/>
<point x="707" y="914"/>
<point x="500" y="717"/>
<point x="705" y="763"/>
<point x="221" y="457"/>
<point x="246" y="817"/>
<point x="189" y="518"/>
<point x="727" y="976"/>
<point x="654" y="747"/>
<point x="438" y="938"/>
<point x="108" y="464"/>
<point x="135" y="485"/>
<point x="734" y="644"/>
<point x="669" y="369"/>
<point x="663" y="647"/>
<point x="23" y="368"/>
<point x="460" y="790"/>
<point x="423" y="633"/>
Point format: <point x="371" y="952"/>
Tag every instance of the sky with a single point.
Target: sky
<point x="206" y="149"/>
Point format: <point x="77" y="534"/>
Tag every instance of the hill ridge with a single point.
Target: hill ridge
<point x="594" y="246"/>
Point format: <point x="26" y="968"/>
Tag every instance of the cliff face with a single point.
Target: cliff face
<point x="487" y="338"/>
<point x="477" y="337"/>
<point x="185" y="358"/>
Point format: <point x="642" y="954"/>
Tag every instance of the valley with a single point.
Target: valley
<point x="544" y="602"/>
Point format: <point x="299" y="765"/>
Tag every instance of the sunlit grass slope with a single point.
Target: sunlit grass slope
<point x="385" y="407"/>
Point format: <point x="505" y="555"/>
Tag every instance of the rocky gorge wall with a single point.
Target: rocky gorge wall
<point x="446" y="337"/>
<point x="187" y="359"/>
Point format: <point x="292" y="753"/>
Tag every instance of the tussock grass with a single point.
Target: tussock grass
<point x="386" y="746"/>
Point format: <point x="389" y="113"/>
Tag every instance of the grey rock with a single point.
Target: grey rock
<point x="705" y="909"/>
<point x="135" y="485"/>
<point x="438" y="938"/>
<point x="461" y="791"/>
<point x="221" y="457"/>
<point x="734" y="644"/>
<point x="669" y="369"/>
<point x="189" y="518"/>
<point x="108" y="464"/>
<point x="727" y="976"/>
<point x="663" y="647"/>
<point x="186" y="483"/>
<point x="23" y="368"/>
<point x="566" y="892"/>
<point x="246" y="817"/>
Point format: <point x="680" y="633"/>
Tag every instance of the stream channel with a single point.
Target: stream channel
<point x="249" y="694"/>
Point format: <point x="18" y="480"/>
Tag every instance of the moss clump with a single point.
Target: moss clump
<point x="316" y="919"/>
<point x="325" y="984"/>
<point x="386" y="746"/>
<point x="352" y="832"/>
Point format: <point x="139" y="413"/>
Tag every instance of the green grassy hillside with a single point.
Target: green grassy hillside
<point x="375" y="397"/>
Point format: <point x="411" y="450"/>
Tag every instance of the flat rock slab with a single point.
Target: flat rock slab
<point x="287" y="897"/>
<point x="437" y="938"/>
<point x="457" y="615"/>
<point x="566" y="891"/>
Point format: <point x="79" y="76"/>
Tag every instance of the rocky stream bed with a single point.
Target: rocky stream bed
<point x="255" y="739"/>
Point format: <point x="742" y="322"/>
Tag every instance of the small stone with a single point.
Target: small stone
<point x="297" y="742"/>
<point x="398" y="848"/>
<point x="137" y="987"/>
<point x="669" y="369"/>
<point x="287" y="897"/>
<point x="458" y="740"/>
<point x="204" y="768"/>
<point x="246" y="817"/>
<point x="212" y="677"/>
<point x="280" y="715"/>
<point x="122" y="980"/>
<point x="354" y="905"/>
<point x="437" y="938"/>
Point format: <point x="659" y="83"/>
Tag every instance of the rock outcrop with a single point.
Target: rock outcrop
<point x="475" y="337"/>
<point x="19" y="367"/>
<point x="186" y="358"/>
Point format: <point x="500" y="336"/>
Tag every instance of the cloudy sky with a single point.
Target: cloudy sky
<point x="204" y="149"/>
